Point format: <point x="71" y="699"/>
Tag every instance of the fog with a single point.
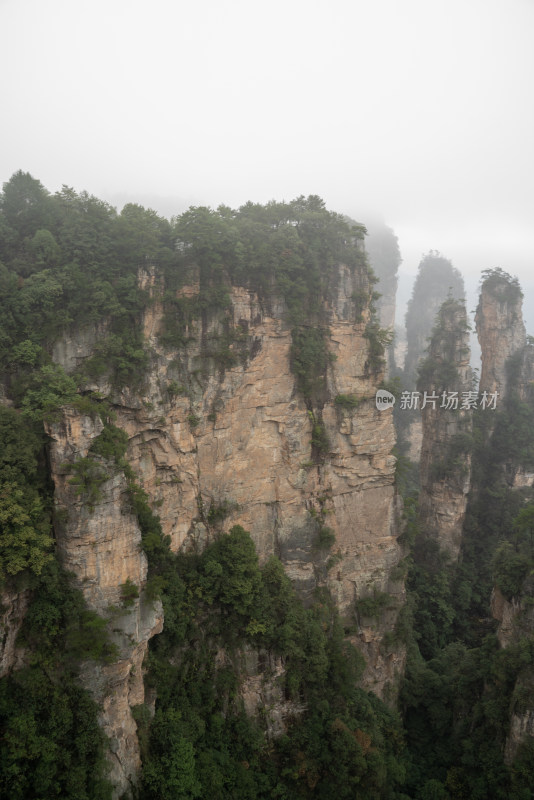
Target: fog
<point x="419" y="111"/>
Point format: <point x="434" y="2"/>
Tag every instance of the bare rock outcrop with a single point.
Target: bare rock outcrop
<point x="500" y="329"/>
<point x="261" y="688"/>
<point x="99" y="541"/>
<point x="516" y="621"/>
<point x="515" y="617"/>
<point x="384" y="257"/>
<point x="445" y="381"/>
<point x="508" y="370"/>
<point x="436" y="280"/>
<point x="13" y="607"/>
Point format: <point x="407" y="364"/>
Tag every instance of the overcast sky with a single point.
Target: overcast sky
<point x="421" y="111"/>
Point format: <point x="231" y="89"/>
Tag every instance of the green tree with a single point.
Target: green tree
<point x="231" y="573"/>
<point x="25" y="205"/>
<point x="25" y="538"/>
<point x="50" y="389"/>
<point x="172" y="775"/>
<point x="44" y="248"/>
<point x="25" y="535"/>
<point x="140" y="233"/>
<point x="50" y="743"/>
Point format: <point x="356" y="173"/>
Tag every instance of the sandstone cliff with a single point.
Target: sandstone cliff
<point x="447" y="427"/>
<point x="516" y="623"/>
<point x="13" y="607"/>
<point x="508" y="369"/>
<point x="384" y="257"/>
<point x="436" y="280"/>
<point x="500" y="330"/>
<point x="217" y="444"/>
<point x="100" y="543"/>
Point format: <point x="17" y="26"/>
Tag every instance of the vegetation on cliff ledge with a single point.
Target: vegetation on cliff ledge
<point x="71" y="259"/>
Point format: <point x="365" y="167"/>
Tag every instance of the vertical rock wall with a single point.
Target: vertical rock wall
<point x="446" y="445"/>
<point x="384" y="257"/>
<point x="500" y="330"/>
<point x="502" y="337"/>
<point x="217" y="445"/>
<point x="100" y="543"/>
<point x="437" y="279"/>
<point x="13" y="607"/>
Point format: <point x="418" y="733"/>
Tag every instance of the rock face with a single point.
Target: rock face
<point x="515" y="617"/>
<point x="500" y="330"/>
<point x="508" y="366"/>
<point x="13" y="607"/>
<point x="521" y="727"/>
<point x="400" y="346"/>
<point x="516" y="621"/>
<point x="71" y="351"/>
<point x="507" y="358"/>
<point x="384" y="257"/>
<point x="99" y="540"/>
<point x="261" y="688"/>
<point x="100" y="544"/>
<point x="414" y="437"/>
<point x="437" y="279"/>
<point x="217" y="444"/>
<point x="445" y="452"/>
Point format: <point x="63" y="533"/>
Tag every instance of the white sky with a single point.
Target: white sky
<point x="419" y="110"/>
